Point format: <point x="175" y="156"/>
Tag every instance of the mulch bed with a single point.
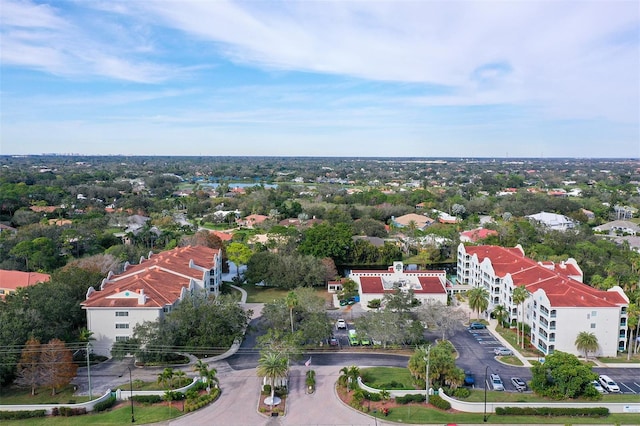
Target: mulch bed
<point x="265" y="409"/>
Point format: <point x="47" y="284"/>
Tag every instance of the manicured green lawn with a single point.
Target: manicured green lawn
<point x="510" y="336"/>
<point x="620" y="359"/>
<point x="14" y="395"/>
<point x="376" y="377"/>
<point x="257" y="294"/>
<point x="477" y="395"/>
<point x="418" y="414"/>
<point x="511" y="359"/>
<point x="118" y="416"/>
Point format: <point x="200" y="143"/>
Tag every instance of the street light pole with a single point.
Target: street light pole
<point x="89" y="370"/>
<point x="133" y="419"/>
<point x="426" y="377"/>
<point x="485" y="393"/>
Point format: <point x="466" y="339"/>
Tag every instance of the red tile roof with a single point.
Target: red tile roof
<point x="161" y="278"/>
<point x="478" y="234"/>
<point x="430" y="285"/>
<point x="560" y="288"/>
<point x="224" y="236"/>
<point x="177" y="260"/>
<point x="11" y="280"/>
<point x="160" y="288"/>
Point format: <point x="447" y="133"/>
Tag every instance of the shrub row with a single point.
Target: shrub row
<point x="105" y="405"/>
<point x="19" y="415"/>
<point x="553" y="411"/>
<point x="68" y="411"/>
<point x="438" y="402"/>
<point x="410" y="398"/>
<point x="460" y="392"/>
<point x="392" y="385"/>
<point x="372" y="396"/>
<point x="147" y="399"/>
<point x="201" y="401"/>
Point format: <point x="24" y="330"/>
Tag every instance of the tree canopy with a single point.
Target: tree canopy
<point x="563" y="376"/>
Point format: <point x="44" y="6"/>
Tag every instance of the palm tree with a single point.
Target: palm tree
<point x="633" y="321"/>
<point x="272" y="365"/>
<point x="500" y="312"/>
<point x="180" y="375"/>
<point x="587" y="342"/>
<point x="206" y="372"/>
<point x="292" y="302"/>
<point x="520" y="294"/>
<point x="349" y="376"/>
<point x="166" y="376"/>
<point x="478" y="299"/>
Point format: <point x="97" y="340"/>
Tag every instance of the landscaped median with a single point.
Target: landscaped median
<point x="391" y="395"/>
<point x="193" y="397"/>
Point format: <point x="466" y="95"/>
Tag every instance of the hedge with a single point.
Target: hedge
<point x="553" y="411"/>
<point x="68" y="411"/>
<point x="410" y="398"/>
<point x="147" y="399"/>
<point x="372" y="396"/>
<point x="19" y="415"/>
<point x="438" y="402"/>
<point x="105" y="405"/>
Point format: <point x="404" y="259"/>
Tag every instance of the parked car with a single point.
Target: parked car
<point x="608" y="384"/>
<point x="341" y="324"/>
<point x="502" y="351"/>
<point x="333" y="342"/>
<point x="596" y="384"/>
<point x="519" y="384"/>
<point x="364" y="341"/>
<point x="496" y="383"/>
<point x="469" y="380"/>
<point x="477" y="326"/>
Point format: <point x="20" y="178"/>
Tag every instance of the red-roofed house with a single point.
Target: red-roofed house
<point x="148" y="290"/>
<point x="374" y="284"/>
<point x="10" y="281"/>
<point x="252" y="220"/>
<point x="475" y="235"/>
<point x="559" y="307"/>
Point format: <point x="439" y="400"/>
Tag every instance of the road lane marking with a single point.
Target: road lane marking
<point x="628" y="388"/>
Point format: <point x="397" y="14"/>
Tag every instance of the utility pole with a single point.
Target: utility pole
<point x="426" y="377"/>
<point x="89" y="370"/>
<point x="485" y="393"/>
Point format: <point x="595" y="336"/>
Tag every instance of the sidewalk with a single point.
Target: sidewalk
<point x="527" y="360"/>
<point x="492" y="329"/>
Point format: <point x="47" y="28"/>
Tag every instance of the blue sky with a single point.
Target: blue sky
<point x="321" y="78"/>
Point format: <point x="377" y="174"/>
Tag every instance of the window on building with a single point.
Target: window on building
<point x="122" y="313"/>
<point x="1" y="291"/>
<point x="593" y="325"/>
<point x="122" y="338"/>
<point x="122" y="325"/>
<point x="594" y="313"/>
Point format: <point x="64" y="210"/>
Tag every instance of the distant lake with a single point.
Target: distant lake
<point x="242" y="185"/>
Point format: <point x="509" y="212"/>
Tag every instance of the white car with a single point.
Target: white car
<point x="496" y="383"/>
<point x="341" y="324"/>
<point x="502" y="351"/>
<point x="596" y="384"/>
<point x="608" y="384"/>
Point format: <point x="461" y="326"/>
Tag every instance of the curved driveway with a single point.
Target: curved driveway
<point x="237" y="405"/>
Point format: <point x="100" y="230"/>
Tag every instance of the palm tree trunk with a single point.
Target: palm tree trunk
<point x="631" y="345"/>
<point x="273" y="391"/>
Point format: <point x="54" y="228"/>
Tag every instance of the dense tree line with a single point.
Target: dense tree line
<point x="43" y="312"/>
<point x="198" y="325"/>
